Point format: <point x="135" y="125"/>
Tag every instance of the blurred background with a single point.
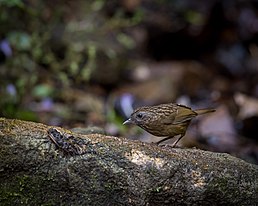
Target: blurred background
<point x="90" y="63"/>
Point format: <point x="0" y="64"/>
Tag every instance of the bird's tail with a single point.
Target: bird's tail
<point x="204" y="111"/>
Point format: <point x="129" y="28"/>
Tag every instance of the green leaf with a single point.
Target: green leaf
<point x="42" y="90"/>
<point x="20" y="40"/>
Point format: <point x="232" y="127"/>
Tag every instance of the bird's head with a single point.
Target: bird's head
<point x="139" y="117"/>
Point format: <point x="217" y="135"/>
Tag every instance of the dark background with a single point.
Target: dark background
<point x="89" y="63"/>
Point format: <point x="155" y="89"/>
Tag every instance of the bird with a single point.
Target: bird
<point x="165" y="120"/>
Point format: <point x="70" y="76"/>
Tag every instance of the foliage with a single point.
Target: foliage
<point x="60" y="44"/>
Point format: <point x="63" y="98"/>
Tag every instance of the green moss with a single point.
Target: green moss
<point x="13" y="190"/>
<point x="25" y="190"/>
<point x="158" y="189"/>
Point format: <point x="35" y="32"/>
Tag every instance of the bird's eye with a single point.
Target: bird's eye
<point x="140" y="115"/>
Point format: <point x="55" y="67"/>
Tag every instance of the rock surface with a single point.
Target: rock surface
<point x="35" y="170"/>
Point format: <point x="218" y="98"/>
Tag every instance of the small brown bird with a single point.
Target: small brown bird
<point x="165" y="120"/>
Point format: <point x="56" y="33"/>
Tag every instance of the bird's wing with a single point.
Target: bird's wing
<point x="183" y="114"/>
<point x="167" y="120"/>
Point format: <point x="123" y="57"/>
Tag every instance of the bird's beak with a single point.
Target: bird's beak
<point x="129" y="121"/>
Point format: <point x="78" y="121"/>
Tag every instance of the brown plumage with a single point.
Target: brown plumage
<point x="165" y="120"/>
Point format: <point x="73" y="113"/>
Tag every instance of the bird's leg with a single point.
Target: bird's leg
<point x="174" y="144"/>
<point x="164" y="139"/>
